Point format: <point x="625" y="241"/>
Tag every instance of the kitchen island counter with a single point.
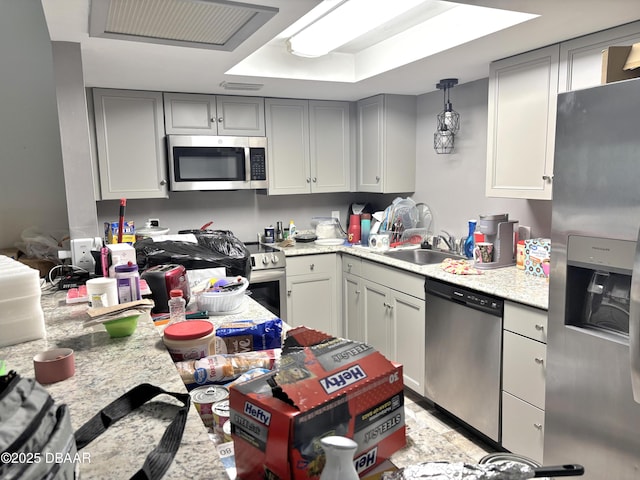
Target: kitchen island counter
<point x="108" y="367"/>
<point x="509" y="283"/>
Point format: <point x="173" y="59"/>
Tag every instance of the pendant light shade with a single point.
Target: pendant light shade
<point x="447" y="121"/>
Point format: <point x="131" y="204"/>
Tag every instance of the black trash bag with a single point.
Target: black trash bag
<point x="215" y="248"/>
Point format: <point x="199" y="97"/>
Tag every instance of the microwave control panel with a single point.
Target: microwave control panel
<point x="257" y="160"/>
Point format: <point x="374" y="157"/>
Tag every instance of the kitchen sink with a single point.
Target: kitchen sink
<point x="422" y="256"/>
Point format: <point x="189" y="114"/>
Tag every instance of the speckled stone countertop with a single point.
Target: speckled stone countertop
<point x="509" y="283"/>
<point x="105" y="369"/>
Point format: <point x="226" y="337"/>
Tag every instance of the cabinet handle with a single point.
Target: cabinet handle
<point x="539" y="327"/>
<point x="288" y="293"/>
<point x="377" y="178"/>
<point x="539" y="360"/>
<point x="312" y="266"/>
<point x="547" y="178"/>
<point x="357" y="292"/>
<point x="163" y="182"/>
<point x="308" y="180"/>
<point x="315" y="179"/>
<point x="220" y="119"/>
<point x="538" y="426"/>
<point x="387" y="305"/>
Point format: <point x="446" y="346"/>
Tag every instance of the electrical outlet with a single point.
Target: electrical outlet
<point x="335" y="214"/>
<point x="81" y="253"/>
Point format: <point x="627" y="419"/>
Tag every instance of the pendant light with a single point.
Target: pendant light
<point x="448" y="121"/>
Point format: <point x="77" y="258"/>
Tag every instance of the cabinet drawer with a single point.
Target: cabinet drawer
<point x="352" y="265"/>
<point x="393" y="278"/>
<point x="306" y="264"/>
<point x="528" y="321"/>
<point x="522" y="427"/>
<point x="524" y="368"/>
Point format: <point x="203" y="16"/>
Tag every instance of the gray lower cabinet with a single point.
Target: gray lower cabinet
<point x="384" y="307"/>
<point x="130" y="144"/>
<point x="523" y="379"/>
<point x="312" y="293"/>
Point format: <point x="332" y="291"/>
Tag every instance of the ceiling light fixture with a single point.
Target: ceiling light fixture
<point x="448" y="121"/>
<point x="348" y="20"/>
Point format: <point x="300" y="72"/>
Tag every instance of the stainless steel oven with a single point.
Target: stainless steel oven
<point x="268" y="280"/>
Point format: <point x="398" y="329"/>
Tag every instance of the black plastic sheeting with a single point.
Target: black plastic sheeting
<point x="215" y="248"/>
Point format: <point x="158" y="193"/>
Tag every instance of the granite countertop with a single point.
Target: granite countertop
<point x="106" y="368"/>
<point x="509" y="283"/>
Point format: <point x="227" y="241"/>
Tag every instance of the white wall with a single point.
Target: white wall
<point x="453" y="185"/>
<point x="32" y="190"/>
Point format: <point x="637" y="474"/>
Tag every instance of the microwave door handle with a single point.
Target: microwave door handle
<point x="634" y="324"/>
<point x="247" y="165"/>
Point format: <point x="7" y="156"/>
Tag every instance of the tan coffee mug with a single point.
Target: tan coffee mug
<point x="483" y="252"/>
<point x="54" y="365"/>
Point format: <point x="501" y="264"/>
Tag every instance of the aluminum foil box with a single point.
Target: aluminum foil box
<point x="322" y="386"/>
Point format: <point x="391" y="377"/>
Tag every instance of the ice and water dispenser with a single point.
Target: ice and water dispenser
<point x="599" y="283"/>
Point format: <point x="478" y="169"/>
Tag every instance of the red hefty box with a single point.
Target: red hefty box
<point x="323" y="386"/>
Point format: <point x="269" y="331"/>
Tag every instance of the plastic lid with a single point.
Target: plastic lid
<point x="176" y="292"/>
<point x="129" y="267"/>
<point x="188" y="330"/>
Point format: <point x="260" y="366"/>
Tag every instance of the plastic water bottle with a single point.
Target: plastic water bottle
<point x="469" y="243"/>
<point x="177" y="306"/>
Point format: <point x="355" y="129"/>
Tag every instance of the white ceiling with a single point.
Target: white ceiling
<point x="144" y="66"/>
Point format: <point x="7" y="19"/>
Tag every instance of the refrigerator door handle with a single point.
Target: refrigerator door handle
<point x="634" y="324"/>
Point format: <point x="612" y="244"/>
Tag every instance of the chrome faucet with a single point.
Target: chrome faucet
<point x="449" y="240"/>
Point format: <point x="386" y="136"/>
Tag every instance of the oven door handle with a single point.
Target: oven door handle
<point x="260" y="276"/>
<point x="634" y="324"/>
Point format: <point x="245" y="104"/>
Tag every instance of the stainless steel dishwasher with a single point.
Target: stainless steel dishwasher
<point x="463" y="355"/>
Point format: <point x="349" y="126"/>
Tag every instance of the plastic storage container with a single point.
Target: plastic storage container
<point x="128" y="280"/>
<point x="190" y="340"/>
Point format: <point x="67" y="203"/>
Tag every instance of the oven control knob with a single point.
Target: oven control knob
<point x="265" y="261"/>
<point x="274" y="259"/>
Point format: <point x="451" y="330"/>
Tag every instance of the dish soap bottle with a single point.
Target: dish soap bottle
<point x="292" y="229"/>
<point x="469" y="243"/>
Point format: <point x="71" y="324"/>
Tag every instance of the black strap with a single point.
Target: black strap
<point x="160" y="458"/>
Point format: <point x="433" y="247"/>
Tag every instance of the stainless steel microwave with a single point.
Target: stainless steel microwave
<point x="203" y="162"/>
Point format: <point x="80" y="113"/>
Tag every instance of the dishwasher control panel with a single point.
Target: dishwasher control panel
<point x="470" y="298"/>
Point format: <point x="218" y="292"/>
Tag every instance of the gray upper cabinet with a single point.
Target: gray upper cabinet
<point x="521" y="125"/>
<point x="386" y="159"/>
<point x="581" y="58"/>
<point x="194" y="114"/>
<point x="310" y="146"/>
<point x="130" y="141"/>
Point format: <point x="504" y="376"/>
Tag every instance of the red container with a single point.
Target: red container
<point x="354" y="229"/>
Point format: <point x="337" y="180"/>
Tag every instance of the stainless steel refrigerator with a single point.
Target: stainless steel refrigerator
<point x="593" y="359"/>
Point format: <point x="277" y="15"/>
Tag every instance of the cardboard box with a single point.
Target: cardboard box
<point x="42" y="265"/>
<point x="111" y="232"/>
<point x="620" y="63"/>
<point x="323" y="386"/>
<point x="537" y="251"/>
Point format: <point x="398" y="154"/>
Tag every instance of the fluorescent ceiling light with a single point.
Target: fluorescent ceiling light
<point x="346" y="21"/>
<point x="426" y="28"/>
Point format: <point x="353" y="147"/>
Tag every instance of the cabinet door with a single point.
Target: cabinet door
<point x="581" y="58"/>
<point x="311" y="301"/>
<point x="130" y="141"/>
<point x="521" y="125"/>
<point x="330" y="143"/>
<point x="240" y="116"/>
<point x="409" y="349"/>
<point x="287" y="124"/>
<point x="353" y="317"/>
<point x="370" y="144"/>
<point x="190" y="114"/>
<point x="377" y="315"/>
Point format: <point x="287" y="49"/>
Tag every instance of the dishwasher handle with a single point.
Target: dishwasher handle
<point x="468" y="298"/>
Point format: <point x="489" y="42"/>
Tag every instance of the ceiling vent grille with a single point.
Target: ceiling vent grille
<point x="212" y="24"/>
